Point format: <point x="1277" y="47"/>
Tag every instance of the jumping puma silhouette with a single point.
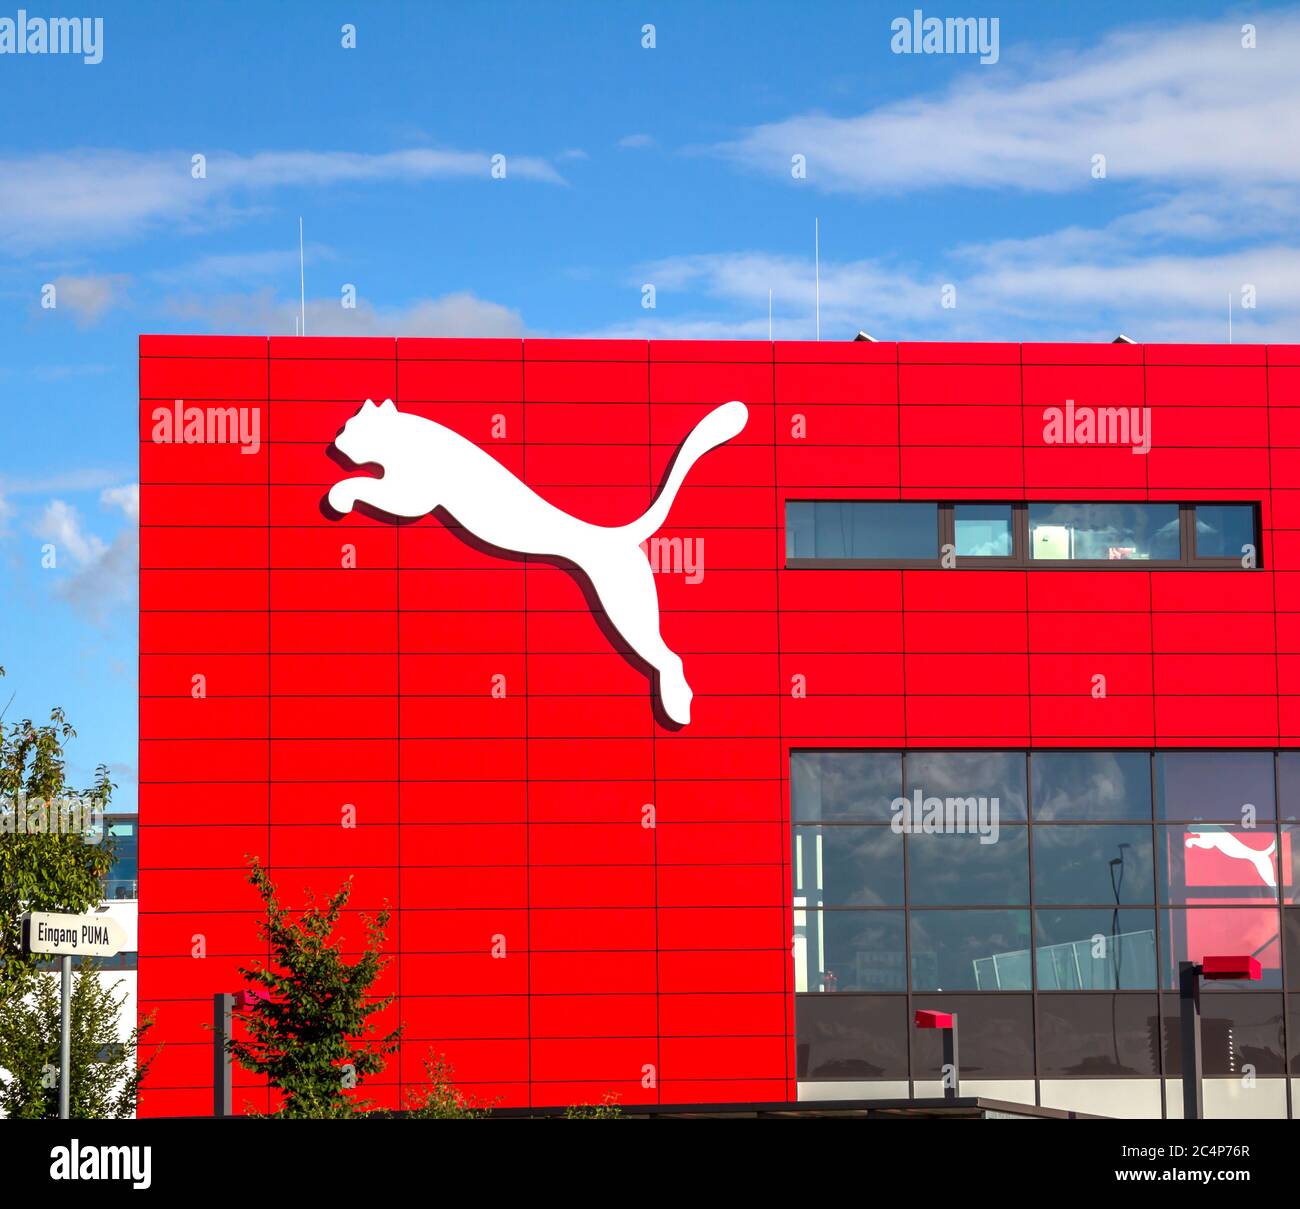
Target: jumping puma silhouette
<point x="427" y="466"/>
<point x="1230" y="845"/>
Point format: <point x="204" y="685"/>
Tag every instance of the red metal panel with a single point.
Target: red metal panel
<point x="510" y="783"/>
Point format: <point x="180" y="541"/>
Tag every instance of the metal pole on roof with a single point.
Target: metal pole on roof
<point x="302" y="281"/>
<point x="817" y="271"/>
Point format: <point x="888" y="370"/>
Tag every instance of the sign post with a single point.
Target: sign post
<point x="68" y="936"/>
<point x="65" y="1037"/>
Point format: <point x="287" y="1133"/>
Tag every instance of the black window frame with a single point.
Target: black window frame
<point x="1021" y="558"/>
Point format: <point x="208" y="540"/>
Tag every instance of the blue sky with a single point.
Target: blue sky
<point x="625" y="166"/>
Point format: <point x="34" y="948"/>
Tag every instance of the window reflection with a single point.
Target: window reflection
<point x="970" y="950"/>
<point x="996" y="1033"/>
<point x="1091" y="785"/>
<point x="844" y="786"/>
<point x="1236" y="1032"/>
<point x="982" y="530"/>
<point x="1096" y="950"/>
<point x="848" y="867"/>
<point x="852" y="1037"/>
<point x="1193" y="933"/>
<point x="1208" y="863"/>
<point x="861" y="529"/>
<point x="1221" y="785"/>
<point x="1224" y="530"/>
<point x="961" y="870"/>
<point x="971" y="774"/>
<point x="1104" y="532"/>
<point x="1093" y="864"/>
<point x="849" y="951"/>
<point x="1098" y="1036"/>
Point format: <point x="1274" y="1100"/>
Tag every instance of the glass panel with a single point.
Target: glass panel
<point x="1214" y="785"/>
<point x="1096" y="950"/>
<point x="1286" y="864"/>
<point x="848" y="867"/>
<point x="970" y="950"/>
<point x="970" y="774"/>
<point x="959" y="870"/>
<point x="1091" y="1036"/>
<point x="1192" y="934"/>
<point x="1288" y="780"/>
<point x="861" y="529"/>
<point x="1210" y="864"/>
<point x="1104" y="531"/>
<point x="1236" y="1031"/>
<point x="1291" y="929"/>
<point x="851" y="1036"/>
<point x="844" y="786"/>
<point x="982" y="530"/>
<point x="1224" y="530"/>
<point x="1086" y="864"/>
<point x="1293" y="1032"/>
<point x="1091" y="785"/>
<point x="849" y="951"/>
<point x="995" y="1032"/>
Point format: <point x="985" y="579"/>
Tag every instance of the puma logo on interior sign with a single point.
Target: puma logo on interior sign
<point x="427" y="466"/>
<point x="1228" y="844"/>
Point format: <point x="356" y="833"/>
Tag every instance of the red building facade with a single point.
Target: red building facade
<point x="585" y="899"/>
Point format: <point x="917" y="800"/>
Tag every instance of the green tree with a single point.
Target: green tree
<point x="105" y="1077"/>
<point x="441" y="1099"/>
<point x="307" y="1025"/>
<point x="55" y="868"/>
<point x="609" y="1109"/>
<point x="52" y="870"/>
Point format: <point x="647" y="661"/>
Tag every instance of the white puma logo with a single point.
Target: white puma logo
<point x="1230" y="845"/>
<point x="427" y="466"/>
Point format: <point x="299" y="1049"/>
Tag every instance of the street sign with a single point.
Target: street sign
<point x="90" y="935"/>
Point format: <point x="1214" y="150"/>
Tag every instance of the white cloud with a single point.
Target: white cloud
<point x="1182" y="103"/>
<point x="241" y="266"/>
<point x="60" y="524"/>
<point x="637" y="142"/>
<point x="1075" y="284"/>
<point x="102" y="574"/>
<point x="90" y="196"/>
<point x="89" y="296"/>
<point x="126" y="498"/>
<point x="458" y="314"/>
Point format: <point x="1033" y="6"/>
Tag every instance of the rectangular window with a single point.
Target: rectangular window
<point x="1097" y="786"/>
<point x="982" y="531"/>
<point x="977" y="950"/>
<point x="1096" y="950"/>
<point x="1105" y="532"/>
<point x="861" y="529"/>
<point x="1224" y="530"/>
<point x="1038" y="534"/>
